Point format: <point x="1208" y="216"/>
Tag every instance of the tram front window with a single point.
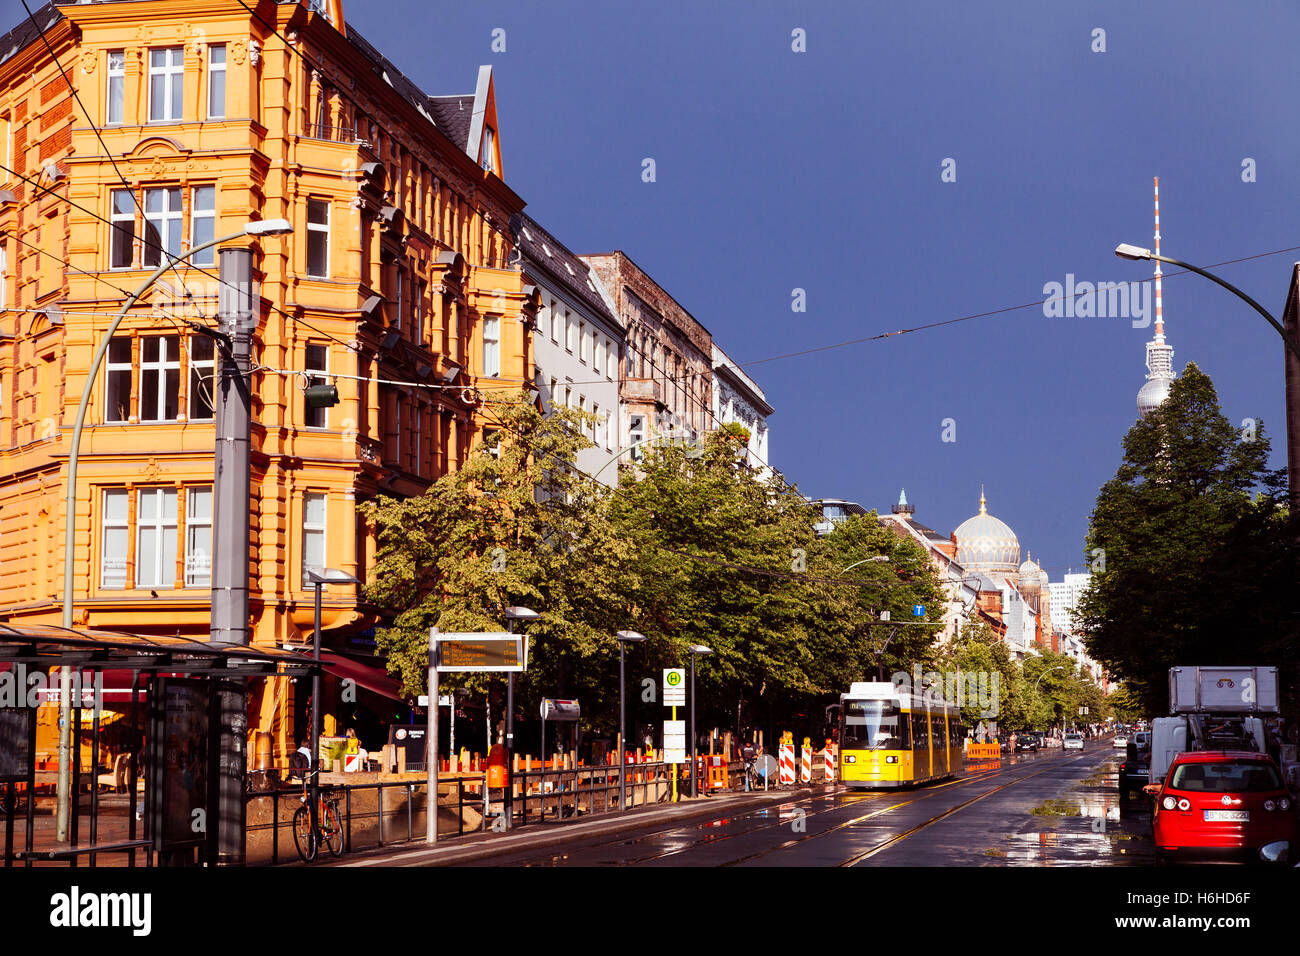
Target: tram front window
<point x="873" y="725"/>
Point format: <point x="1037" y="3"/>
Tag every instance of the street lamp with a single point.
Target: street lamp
<point x="624" y="637"/>
<point x="512" y="614"/>
<point x="1138" y="253"/>
<point x="878" y="559"/>
<point x="318" y="579"/>
<point x="696" y="650"/>
<point x="265" y="227"/>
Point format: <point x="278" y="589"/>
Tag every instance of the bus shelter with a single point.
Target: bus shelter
<point x="150" y="743"/>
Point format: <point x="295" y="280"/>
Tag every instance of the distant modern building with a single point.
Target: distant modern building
<point x="1065" y="598"/>
<point x="737" y="398"/>
<point x="577" y="343"/>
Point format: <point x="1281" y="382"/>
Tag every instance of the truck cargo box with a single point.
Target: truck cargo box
<point x="1223" y="690"/>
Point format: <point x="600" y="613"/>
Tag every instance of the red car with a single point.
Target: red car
<point x="1224" y="804"/>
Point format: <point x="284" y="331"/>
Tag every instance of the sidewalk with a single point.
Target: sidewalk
<point x="535" y="836"/>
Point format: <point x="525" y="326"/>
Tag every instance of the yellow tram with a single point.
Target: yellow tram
<point x="890" y="737"/>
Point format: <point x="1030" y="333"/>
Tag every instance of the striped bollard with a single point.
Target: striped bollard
<point x="805" y="763"/>
<point x="828" y="755"/>
<point x="787" y="763"/>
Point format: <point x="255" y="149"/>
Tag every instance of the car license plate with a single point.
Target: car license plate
<point x="1227" y="816"/>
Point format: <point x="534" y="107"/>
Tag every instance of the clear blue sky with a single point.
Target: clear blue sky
<point x="821" y="170"/>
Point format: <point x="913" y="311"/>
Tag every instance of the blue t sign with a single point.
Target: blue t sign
<point x="918" y="610"/>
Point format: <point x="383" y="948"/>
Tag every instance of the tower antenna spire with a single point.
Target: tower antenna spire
<point x="1160" y="354"/>
<point x="1160" y="315"/>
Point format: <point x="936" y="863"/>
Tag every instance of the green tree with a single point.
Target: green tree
<point x="719" y="558"/>
<point x="1192" y="562"/>
<point x="875" y="571"/>
<point x="518" y="525"/>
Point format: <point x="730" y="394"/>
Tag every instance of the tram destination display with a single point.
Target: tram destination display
<point x="496" y="652"/>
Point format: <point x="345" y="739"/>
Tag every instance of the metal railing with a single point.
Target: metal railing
<point x="377" y="822"/>
<point x="388" y="812"/>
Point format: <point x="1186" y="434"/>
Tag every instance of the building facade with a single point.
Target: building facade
<point x="666" y="388"/>
<point x="395" y="285"/>
<point x="738" y="399"/>
<point x="577" y="343"/>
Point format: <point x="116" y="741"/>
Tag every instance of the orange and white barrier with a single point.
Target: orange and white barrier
<point x="787" y="763"/>
<point x="828" y="758"/>
<point x="805" y="764"/>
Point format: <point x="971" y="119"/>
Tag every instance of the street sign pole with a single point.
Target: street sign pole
<point x="675" y="766"/>
<point x="431" y="743"/>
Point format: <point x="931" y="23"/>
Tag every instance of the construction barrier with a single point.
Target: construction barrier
<point x="983" y="752"/>
<point x="805" y="762"/>
<point x="787" y="763"/>
<point x="828" y="762"/>
<point x="717" y="774"/>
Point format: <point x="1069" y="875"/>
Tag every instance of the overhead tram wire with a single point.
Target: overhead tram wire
<point x="982" y="315"/>
<point x="107" y="152"/>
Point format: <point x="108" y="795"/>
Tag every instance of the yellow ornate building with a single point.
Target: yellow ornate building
<point x="191" y="117"/>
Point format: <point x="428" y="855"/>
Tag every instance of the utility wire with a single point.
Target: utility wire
<point x="1038" y="303"/>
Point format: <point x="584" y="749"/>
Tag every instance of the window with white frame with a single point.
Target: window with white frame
<point x="203" y="223"/>
<point x="118" y="374"/>
<point x="114" y="538"/>
<point x="611" y="361"/>
<point x="313" y="535"/>
<point x="318" y="238"/>
<point x="572" y="342"/>
<point x="115" y="94"/>
<point x="317" y="371"/>
<point x="583" y="352"/>
<point x="557" y="324"/>
<point x="162" y="224"/>
<point x="160" y="378"/>
<point x="421" y="290"/>
<point x="121" y="241"/>
<point x="155" y="538"/>
<point x="599" y="435"/>
<point x="217" y="81"/>
<point x="203" y="382"/>
<point x="598" y="357"/>
<point x="198" y="537"/>
<point x="166" y="84"/>
<point x="492" y="346"/>
<point x="488" y="159"/>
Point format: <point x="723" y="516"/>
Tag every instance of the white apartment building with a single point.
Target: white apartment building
<point x="577" y="344"/>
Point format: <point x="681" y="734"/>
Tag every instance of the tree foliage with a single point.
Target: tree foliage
<point x="1197" y="565"/>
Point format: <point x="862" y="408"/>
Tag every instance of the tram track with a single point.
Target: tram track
<point x="930" y="793"/>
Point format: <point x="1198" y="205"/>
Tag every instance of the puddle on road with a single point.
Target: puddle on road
<point x="1085" y="825"/>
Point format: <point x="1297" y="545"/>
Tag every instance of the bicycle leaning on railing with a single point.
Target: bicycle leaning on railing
<point x="308" y="835"/>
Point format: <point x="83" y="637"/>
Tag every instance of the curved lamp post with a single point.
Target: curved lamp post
<point x="624" y="638"/>
<point x="266" y="227"/>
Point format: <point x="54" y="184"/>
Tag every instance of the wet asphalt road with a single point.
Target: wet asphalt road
<point x="1052" y="808"/>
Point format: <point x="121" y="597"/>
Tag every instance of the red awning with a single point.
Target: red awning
<point x="374" y="679"/>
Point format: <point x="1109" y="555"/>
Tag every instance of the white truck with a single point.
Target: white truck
<point x="1213" y="708"/>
